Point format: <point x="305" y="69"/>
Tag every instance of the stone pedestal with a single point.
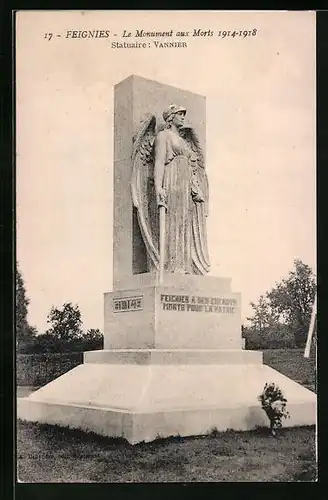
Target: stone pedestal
<point x="167" y="369"/>
<point x="186" y="312"/>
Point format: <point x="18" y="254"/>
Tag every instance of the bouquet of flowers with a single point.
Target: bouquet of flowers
<point x="274" y="404"/>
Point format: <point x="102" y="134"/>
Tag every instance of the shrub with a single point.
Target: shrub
<point x="40" y="369"/>
<point x="274" y="337"/>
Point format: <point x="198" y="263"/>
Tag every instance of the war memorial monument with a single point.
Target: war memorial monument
<point x="173" y="361"/>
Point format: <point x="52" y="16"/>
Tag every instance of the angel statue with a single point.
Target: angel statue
<point x="170" y="193"/>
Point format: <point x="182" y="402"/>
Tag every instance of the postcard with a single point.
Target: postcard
<point x="166" y="246"/>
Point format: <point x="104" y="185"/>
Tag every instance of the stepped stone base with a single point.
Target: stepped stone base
<point x="141" y="395"/>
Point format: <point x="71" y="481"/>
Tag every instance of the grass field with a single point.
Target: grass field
<point x="291" y="362"/>
<point x="51" y="454"/>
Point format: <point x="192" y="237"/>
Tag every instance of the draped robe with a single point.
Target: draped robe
<point x="186" y="187"/>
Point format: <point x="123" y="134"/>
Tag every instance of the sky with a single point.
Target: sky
<point x="260" y="145"/>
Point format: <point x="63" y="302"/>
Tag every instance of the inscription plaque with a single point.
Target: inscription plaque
<point x="194" y="303"/>
<point x="127" y="304"/>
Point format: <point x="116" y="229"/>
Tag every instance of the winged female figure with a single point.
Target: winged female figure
<point x="169" y="172"/>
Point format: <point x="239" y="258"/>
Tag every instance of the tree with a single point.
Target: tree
<point x="93" y="339"/>
<point x="48" y="342"/>
<point x="22" y="302"/>
<point x="264" y="316"/>
<point x="293" y="298"/>
<point x="282" y="316"/>
<point x="24" y="332"/>
<point x="263" y="328"/>
<point x="65" y="323"/>
<point x="65" y="333"/>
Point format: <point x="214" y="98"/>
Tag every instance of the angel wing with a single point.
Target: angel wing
<point x="191" y="137"/>
<point x="142" y="187"/>
<point x="200" y="254"/>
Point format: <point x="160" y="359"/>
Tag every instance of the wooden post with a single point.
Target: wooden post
<point x="311" y="328"/>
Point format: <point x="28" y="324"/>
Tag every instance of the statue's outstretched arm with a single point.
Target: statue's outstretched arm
<point x="159" y="165"/>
